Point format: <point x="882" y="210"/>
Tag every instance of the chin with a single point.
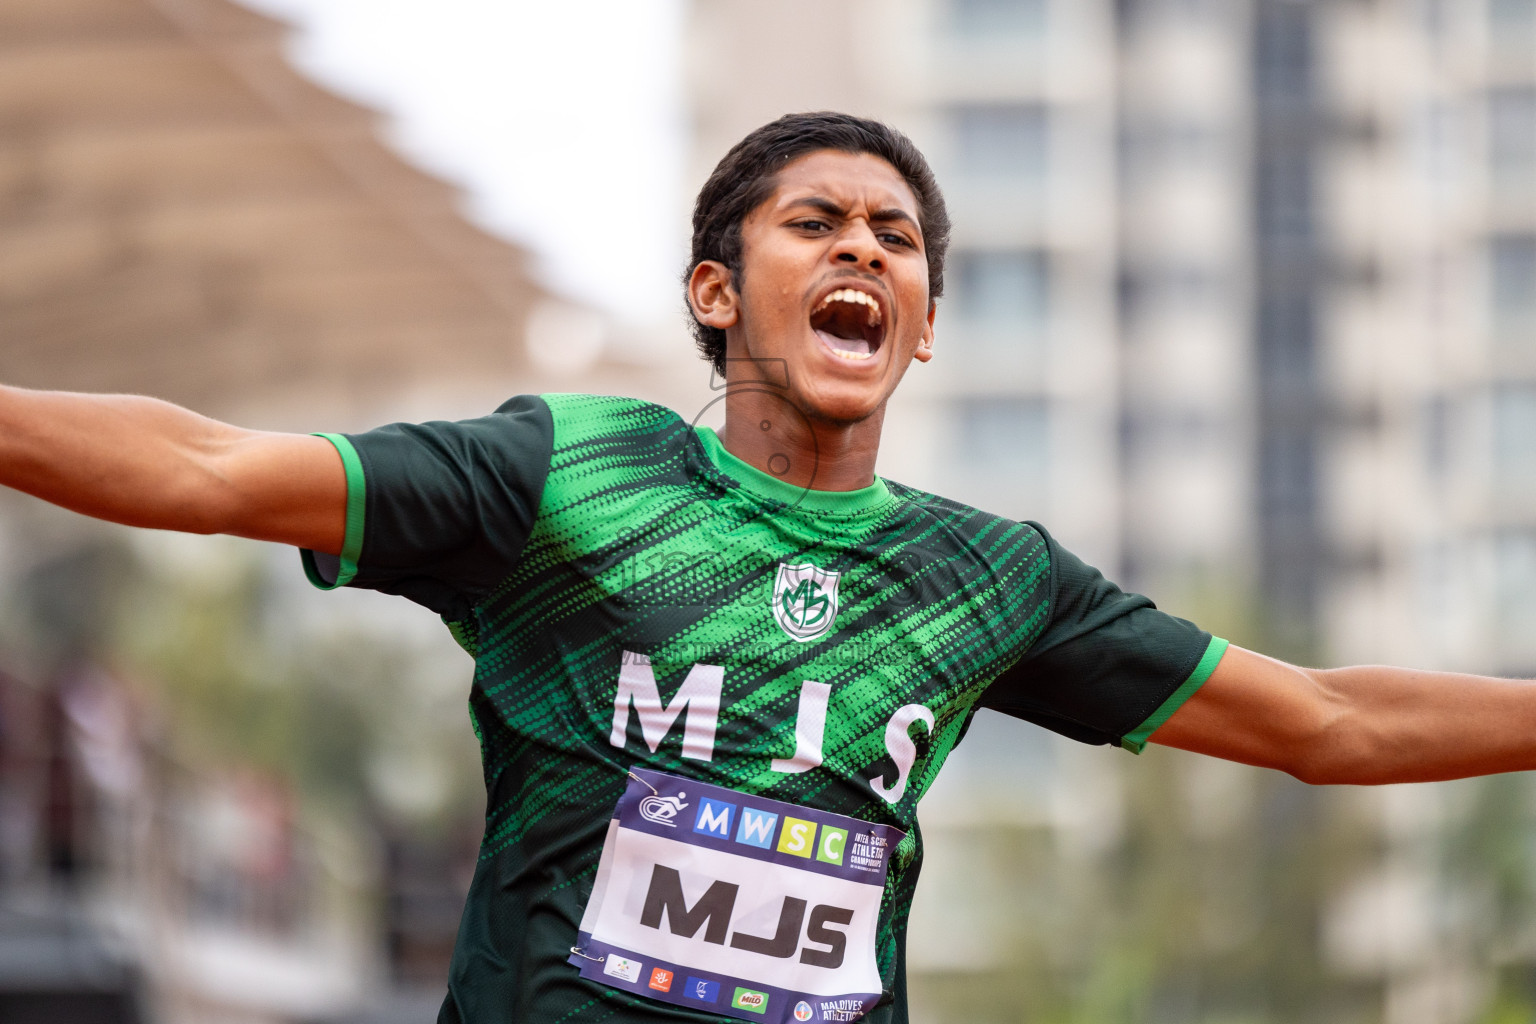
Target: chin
<point x="840" y="404"/>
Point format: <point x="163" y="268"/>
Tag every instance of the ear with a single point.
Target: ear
<point x="925" y="343"/>
<point x="713" y="296"/>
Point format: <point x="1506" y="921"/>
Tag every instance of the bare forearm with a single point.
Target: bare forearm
<point x="1402" y="725"/>
<point x="1366" y="725"/>
<point x="144" y="462"/>
<point x="120" y="457"/>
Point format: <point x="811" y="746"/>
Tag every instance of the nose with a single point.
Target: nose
<point x="858" y="245"/>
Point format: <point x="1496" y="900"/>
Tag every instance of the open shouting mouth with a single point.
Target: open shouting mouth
<point x="849" y="323"/>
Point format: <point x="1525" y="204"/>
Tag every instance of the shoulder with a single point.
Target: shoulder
<point x="603" y="443"/>
<point x="578" y="418"/>
<point x="972" y="526"/>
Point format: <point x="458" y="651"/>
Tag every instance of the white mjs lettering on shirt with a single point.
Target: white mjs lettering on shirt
<point x="810" y="728"/>
<point x="698" y="700"/>
<point x="700" y="694"/>
<point x="902" y="750"/>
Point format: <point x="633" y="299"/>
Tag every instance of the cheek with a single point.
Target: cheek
<point x="915" y="305"/>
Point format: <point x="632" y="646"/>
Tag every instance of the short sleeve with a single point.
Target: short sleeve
<point x="439" y="512"/>
<point x="1108" y="667"/>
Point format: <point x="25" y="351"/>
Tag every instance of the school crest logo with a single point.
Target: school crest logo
<point x="805" y="600"/>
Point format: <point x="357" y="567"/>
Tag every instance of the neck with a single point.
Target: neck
<point x="800" y="450"/>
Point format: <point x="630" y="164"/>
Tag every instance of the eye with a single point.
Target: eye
<point x="895" y="238"/>
<point x="813" y="225"/>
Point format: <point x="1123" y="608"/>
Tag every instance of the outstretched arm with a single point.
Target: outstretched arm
<point x="1364" y="725"/>
<point x="145" y="462"/>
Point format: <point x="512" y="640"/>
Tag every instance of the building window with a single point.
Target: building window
<point x="1284" y="196"/>
<point x="1515" y="598"/>
<point x="1205" y="12"/>
<point x="1436" y="144"/>
<point x="1287" y="330"/>
<point x="1512" y="137"/>
<point x="1284" y="52"/>
<point x="984" y="19"/>
<point x="1514" y="438"/>
<point x="1432" y="17"/>
<point x="1003" y="294"/>
<point x="1511" y="15"/>
<point x="1004" y="441"/>
<point x="1512" y="281"/>
<point x="1435" y="427"/>
<point x="1002" y="140"/>
<point x="1181" y="289"/>
<point x="1154" y="143"/>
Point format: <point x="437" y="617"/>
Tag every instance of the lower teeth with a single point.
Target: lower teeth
<point x="843" y="347"/>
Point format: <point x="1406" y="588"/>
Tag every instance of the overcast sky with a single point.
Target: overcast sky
<point x="562" y="121"/>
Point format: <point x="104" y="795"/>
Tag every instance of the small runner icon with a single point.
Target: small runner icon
<point x="662" y="809"/>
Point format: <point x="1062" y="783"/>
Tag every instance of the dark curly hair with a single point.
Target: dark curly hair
<point x="746" y="177"/>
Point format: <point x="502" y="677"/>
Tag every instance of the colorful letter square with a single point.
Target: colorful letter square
<point x="714" y="818"/>
<point x="830" y="849"/>
<point x="798" y="838"/>
<point x="756" y="828"/>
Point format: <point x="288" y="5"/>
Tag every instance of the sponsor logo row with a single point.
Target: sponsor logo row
<point x="697" y="989"/>
<point x="662" y="980"/>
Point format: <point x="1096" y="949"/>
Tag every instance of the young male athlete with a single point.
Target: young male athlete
<point x="715" y="673"/>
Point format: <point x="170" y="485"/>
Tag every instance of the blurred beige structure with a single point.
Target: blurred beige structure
<point x="186" y="216"/>
<point x="183" y="215"/>
<point x="1242" y="304"/>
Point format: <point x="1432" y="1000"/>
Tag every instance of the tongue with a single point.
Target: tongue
<point x="856" y="345"/>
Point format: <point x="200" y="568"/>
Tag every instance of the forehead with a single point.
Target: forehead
<point x="851" y="180"/>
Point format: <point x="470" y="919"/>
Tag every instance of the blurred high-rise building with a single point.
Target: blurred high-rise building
<point x="1239" y="296"/>
<point x="1241" y="304"/>
<point x="1429" y="198"/>
<point x="1018" y="412"/>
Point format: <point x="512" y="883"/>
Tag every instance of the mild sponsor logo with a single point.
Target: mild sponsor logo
<point x="803" y="1010"/>
<point x="842" y="1009"/>
<point x="749" y="1000"/>
<point x="662" y="809"/>
<point x="703" y="991"/>
<point x="661" y="979"/>
<point x="805" y="600"/>
<point x="622" y="968"/>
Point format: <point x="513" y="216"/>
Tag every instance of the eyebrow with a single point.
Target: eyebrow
<point x="832" y="209"/>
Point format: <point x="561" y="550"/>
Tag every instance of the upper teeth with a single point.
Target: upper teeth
<point x="854" y="295"/>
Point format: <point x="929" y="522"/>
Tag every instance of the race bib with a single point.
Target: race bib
<point x="736" y="905"/>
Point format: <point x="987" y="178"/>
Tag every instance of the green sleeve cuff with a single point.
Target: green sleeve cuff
<point x="357" y="503"/>
<point x="1136" y="741"/>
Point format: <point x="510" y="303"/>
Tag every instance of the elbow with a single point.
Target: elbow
<point x="1336" y="747"/>
<point x="196" y="501"/>
<point x="1346" y="754"/>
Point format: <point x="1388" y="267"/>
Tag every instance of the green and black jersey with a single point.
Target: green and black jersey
<point x="634" y="595"/>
